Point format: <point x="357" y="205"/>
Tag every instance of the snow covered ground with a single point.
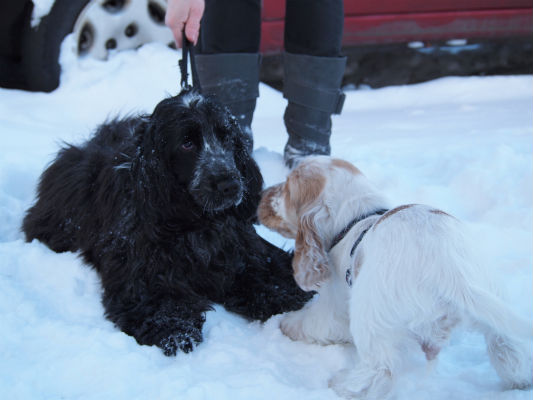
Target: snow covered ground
<point x="461" y="144"/>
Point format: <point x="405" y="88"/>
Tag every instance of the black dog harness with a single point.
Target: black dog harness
<point x="188" y="49"/>
<point x="342" y="234"/>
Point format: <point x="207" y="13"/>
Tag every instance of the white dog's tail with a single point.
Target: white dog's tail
<point x="508" y="337"/>
<point x="487" y="309"/>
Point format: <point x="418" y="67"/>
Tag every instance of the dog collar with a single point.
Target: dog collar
<point x="350" y="225"/>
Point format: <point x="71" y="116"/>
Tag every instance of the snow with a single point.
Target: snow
<point x="41" y="8"/>
<point x="461" y="144"/>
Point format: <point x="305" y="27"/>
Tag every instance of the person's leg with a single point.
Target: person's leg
<point x="314" y="68"/>
<point x="228" y="59"/>
<point x="314" y="28"/>
<point x="230" y="26"/>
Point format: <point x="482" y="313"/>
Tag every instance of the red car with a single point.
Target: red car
<point x="402" y="21"/>
<point x="406" y="41"/>
<point x="397" y="41"/>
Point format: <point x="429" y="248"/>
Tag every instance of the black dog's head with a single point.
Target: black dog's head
<point x="204" y="148"/>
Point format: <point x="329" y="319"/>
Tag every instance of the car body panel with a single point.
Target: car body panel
<point x="399" y="21"/>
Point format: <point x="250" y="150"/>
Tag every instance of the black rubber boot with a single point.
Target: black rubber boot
<point x="234" y="79"/>
<point x="312" y="87"/>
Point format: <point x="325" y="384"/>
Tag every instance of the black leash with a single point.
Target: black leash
<point x="188" y="49"/>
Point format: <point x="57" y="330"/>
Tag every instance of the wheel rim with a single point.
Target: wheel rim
<point x="105" y="25"/>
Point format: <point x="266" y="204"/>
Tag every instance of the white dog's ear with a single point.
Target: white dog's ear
<point x="310" y="262"/>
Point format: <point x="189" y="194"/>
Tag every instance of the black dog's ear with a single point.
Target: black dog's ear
<point x="253" y="185"/>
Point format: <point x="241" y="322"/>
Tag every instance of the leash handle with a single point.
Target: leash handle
<point x="188" y="49"/>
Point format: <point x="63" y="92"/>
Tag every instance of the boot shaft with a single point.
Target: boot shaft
<point x="312" y="88"/>
<point x="234" y="79"/>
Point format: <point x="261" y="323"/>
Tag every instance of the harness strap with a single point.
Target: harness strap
<point x="342" y="234"/>
<point x="351" y="224"/>
<point x="188" y="49"/>
<point x="352" y="251"/>
<point x="359" y="240"/>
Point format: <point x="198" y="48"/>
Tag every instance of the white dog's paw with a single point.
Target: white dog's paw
<point x="342" y="384"/>
<point x="292" y="325"/>
<point x="362" y="383"/>
<point x="305" y="325"/>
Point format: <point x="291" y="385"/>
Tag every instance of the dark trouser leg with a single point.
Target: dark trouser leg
<point x="228" y="58"/>
<point x="314" y="69"/>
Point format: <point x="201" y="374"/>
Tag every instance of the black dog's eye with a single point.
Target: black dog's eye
<point x="188" y="145"/>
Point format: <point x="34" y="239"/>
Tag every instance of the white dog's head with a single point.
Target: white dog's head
<point x="311" y="206"/>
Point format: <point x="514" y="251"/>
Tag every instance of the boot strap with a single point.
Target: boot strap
<point x="330" y="101"/>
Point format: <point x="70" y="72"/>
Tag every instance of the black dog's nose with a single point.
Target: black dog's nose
<point x="228" y="187"/>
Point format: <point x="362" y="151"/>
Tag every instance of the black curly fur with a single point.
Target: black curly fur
<point x="167" y="221"/>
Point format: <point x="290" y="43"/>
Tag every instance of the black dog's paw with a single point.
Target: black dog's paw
<point x="260" y="301"/>
<point x="172" y="332"/>
<point x="180" y="341"/>
<point x="186" y="339"/>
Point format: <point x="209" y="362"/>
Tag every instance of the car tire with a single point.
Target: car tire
<point x="42" y="44"/>
<point x="99" y="27"/>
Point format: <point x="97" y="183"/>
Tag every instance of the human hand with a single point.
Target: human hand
<point x="184" y="14"/>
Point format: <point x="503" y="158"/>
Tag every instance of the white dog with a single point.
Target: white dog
<point x="385" y="278"/>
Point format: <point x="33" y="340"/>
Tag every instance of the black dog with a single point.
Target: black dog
<point x="163" y="207"/>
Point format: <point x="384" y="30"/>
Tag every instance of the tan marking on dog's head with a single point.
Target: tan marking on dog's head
<point x="391" y="213"/>
<point x="304" y="188"/>
<point x="310" y="264"/>
<point x="290" y="209"/>
<point x="269" y="214"/>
